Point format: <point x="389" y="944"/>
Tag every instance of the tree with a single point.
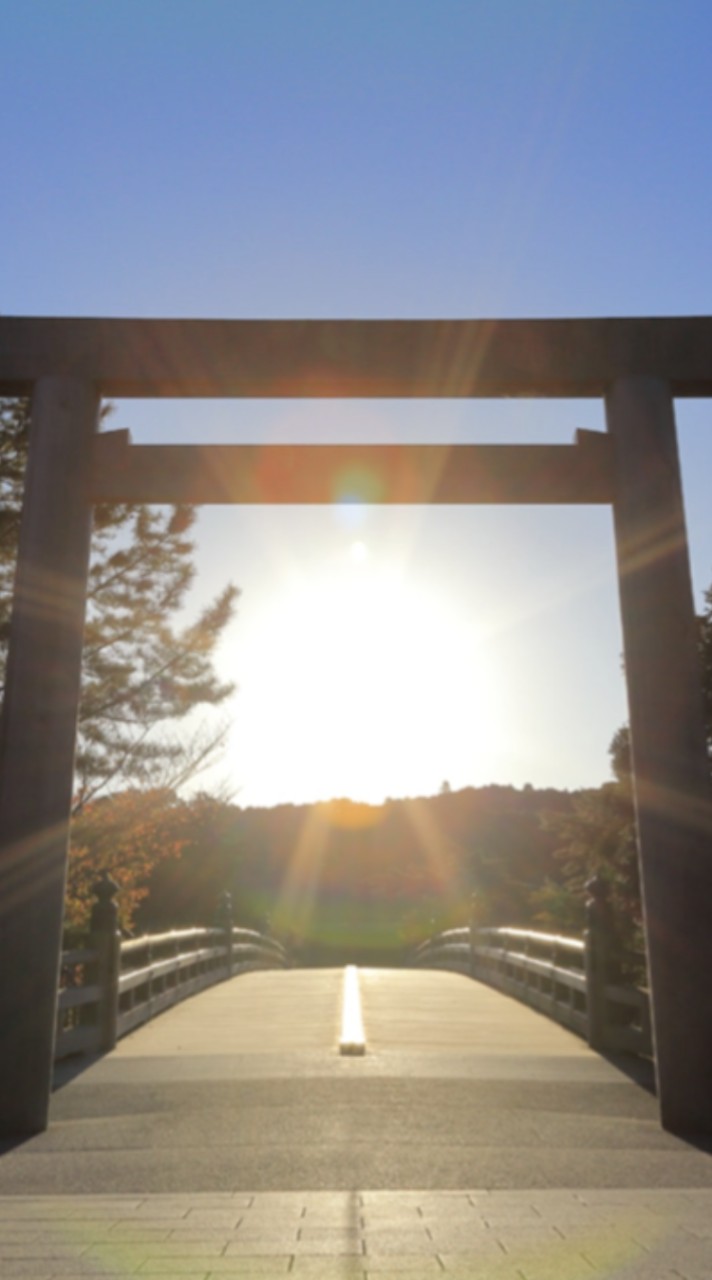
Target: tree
<point x="141" y="674"/>
<point x="206" y="832"/>
<point x="597" y="837"/>
<point x="127" y="834"/>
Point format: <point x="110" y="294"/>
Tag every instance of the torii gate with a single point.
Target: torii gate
<point x="636" y="365"/>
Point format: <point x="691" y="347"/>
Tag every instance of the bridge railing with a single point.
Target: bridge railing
<point x="567" y="978"/>
<point x="111" y="986"/>
<point x="545" y="970"/>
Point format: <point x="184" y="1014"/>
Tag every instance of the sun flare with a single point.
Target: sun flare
<point x="358" y="551"/>
<point x="362" y="672"/>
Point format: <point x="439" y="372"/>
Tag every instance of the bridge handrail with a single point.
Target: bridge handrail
<point x="247" y="936"/>
<point x="183" y="938"/>
<point x="554" y="941"/>
<point x="110" y="986"/>
<point x="197" y="936"/>
<point x="565" y="977"/>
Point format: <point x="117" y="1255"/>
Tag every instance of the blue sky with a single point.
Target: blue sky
<point x="502" y="158"/>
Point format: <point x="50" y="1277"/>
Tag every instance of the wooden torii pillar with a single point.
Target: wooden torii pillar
<point x="668" y="743"/>
<point x="37" y="740"/>
<point x="635" y="365"/>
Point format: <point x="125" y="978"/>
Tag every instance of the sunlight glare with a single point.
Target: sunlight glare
<point x="365" y="676"/>
<point x="358" y="552"/>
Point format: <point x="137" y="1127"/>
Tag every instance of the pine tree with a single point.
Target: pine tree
<point x="142" y="676"/>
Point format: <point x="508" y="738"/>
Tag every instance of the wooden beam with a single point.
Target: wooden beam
<point x="356" y="358"/>
<point x="321" y="474"/>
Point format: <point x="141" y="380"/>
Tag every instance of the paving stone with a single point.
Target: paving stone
<point x="391" y="1217"/>
<point x="413" y="1240"/>
<point x="572" y="1268"/>
<point x="236" y="1240"/>
<point x="158" y="1212"/>
<point x="559" y="1237"/>
<point x="471" y="1266"/>
<point x="245" y="1268"/>
<point x="453" y="1240"/>
<point x="192" y="1234"/>
<point x="28" y="1270"/>
<point x="397" y="1264"/>
<point x="216" y="1266"/>
<point x="519" y="1235"/>
<point x="327" y="1233"/>
<point x="414" y="1273"/>
<point x="311" y="1268"/>
<point x="38" y="1249"/>
<point x="228" y="1218"/>
<point x="332" y="1249"/>
<point x="346" y="1216"/>
<point x="37" y="1270"/>
<point x="253" y="1270"/>
<point x="135" y="1232"/>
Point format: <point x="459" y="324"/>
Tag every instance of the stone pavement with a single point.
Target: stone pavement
<point x="475" y="1138"/>
<point x="367" y="1235"/>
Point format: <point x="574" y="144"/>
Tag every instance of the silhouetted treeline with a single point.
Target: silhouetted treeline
<point x="345" y="880"/>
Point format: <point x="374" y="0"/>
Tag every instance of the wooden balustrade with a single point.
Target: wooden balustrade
<point x="111" y="986"/>
<point x="567" y="978"/>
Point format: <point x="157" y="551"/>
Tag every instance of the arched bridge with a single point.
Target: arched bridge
<point x="443" y="1082"/>
<point x="348" y="1122"/>
<point x="109" y="987"/>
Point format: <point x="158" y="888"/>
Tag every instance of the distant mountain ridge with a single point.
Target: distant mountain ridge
<point x="343" y="879"/>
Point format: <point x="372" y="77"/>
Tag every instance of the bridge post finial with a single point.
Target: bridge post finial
<point x="105" y="940"/>
<point x="105" y="911"/>
<point x="224" y="920"/>
<point x="599" y="954"/>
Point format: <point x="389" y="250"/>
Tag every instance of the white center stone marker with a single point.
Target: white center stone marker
<point x="352" y="1039"/>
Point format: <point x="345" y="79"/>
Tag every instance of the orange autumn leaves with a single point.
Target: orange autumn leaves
<point x="126" y="834"/>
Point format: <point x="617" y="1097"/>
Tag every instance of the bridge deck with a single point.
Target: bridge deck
<point x="236" y="1107"/>
<point x="298" y="1012"/>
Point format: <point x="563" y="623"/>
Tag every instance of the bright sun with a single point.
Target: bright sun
<point x="362" y="676"/>
<point x="358" y="552"/>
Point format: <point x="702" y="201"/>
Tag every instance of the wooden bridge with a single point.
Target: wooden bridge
<point x="244" y="1086"/>
<point x="109" y="987"/>
<point x="352" y="1123"/>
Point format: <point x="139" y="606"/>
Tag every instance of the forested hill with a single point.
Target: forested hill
<point x="371" y="879"/>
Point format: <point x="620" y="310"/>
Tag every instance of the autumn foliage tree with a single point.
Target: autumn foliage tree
<point x="596" y="837"/>
<point x="143" y="675"/>
<point x="126" y="834"/>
